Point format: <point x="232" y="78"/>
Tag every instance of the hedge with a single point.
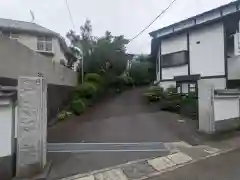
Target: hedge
<point x="154" y="93"/>
<point x="78" y="106"/>
<point x="94" y="77"/>
<point x="86" y="90"/>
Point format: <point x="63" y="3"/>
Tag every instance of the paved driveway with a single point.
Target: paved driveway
<point x="123" y="118"/>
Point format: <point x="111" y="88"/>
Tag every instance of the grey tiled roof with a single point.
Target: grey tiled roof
<point x="24" y="26"/>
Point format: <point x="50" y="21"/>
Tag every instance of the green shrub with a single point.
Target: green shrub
<point x="171" y="100"/>
<point x="118" y="83"/>
<point x="140" y="72"/>
<point x="78" y="106"/>
<point x="93" y="77"/>
<point x="86" y="90"/>
<point x="154" y="93"/>
<point x="189" y="106"/>
<point x="128" y="81"/>
<point x="64" y="114"/>
<point x="171" y="90"/>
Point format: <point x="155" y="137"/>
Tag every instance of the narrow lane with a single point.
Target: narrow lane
<point x="125" y="118"/>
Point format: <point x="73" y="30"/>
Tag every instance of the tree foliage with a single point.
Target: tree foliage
<point x="141" y="72"/>
<point x="106" y="53"/>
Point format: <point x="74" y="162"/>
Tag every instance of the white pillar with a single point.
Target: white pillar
<point x="31" y="126"/>
<point x="205" y="106"/>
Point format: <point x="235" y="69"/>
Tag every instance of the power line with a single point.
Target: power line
<point x="70" y="14"/>
<point x="165" y="10"/>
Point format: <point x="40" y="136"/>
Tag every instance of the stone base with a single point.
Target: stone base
<point x="38" y="176"/>
<point x="28" y="170"/>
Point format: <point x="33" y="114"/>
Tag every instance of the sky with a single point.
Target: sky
<point x="120" y="17"/>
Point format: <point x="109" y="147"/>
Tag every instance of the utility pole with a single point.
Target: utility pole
<point x="82" y="70"/>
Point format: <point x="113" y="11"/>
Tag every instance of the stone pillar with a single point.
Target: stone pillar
<point x="205" y="106"/>
<point x="31" y="126"/>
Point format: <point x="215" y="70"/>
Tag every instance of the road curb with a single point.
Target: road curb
<point x="181" y="159"/>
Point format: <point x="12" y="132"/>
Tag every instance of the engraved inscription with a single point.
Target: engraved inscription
<point x="32" y="122"/>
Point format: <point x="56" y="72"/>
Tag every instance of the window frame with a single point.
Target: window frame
<point x="186" y="61"/>
<point x="45" y="40"/>
<point x="191" y="86"/>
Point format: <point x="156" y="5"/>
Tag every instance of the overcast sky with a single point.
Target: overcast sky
<point x="121" y="17"/>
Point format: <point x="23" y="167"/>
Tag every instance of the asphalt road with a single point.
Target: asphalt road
<point x="125" y="118"/>
<point x="221" y="167"/>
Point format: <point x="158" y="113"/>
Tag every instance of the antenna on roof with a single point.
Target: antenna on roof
<point x="32" y="15"/>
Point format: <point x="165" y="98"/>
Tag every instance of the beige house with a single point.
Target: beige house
<point x="37" y="38"/>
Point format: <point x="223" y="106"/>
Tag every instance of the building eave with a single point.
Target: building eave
<point x="193" y="21"/>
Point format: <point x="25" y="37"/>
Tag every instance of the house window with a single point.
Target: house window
<point x="44" y="43"/>
<point x="192" y="87"/>
<point x="185" y="87"/>
<point x="174" y="59"/>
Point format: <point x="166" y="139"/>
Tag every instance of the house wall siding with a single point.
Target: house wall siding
<point x="216" y="83"/>
<point x="234" y="68"/>
<point x="28" y="40"/>
<point x="31" y="42"/>
<point x="6" y="121"/>
<point x="58" y="54"/>
<point x="6" y="139"/>
<point x="167" y="84"/>
<point x="207" y="51"/>
<point x="169" y="73"/>
<point x="174" y="44"/>
<point x="171" y="45"/>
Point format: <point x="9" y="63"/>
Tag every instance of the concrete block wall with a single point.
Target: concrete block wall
<point x="18" y="60"/>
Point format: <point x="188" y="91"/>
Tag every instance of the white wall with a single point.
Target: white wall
<point x="169" y="73"/>
<point x="171" y="45"/>
<point x="167" y="84"/>
<point x="158" y="76"/>
<point x="216" y="83"/>
<point x="207" y="58"/>
<point x="58" y="54"/>
<point x="5" y="128"/>
<point x="174" y="44"/>
<point x="28" y="40"/>
<point x="185" y="88"/>
<point x="226" y="108"/>
<point x="234" y="68"/>
<point x="31" y="42"/>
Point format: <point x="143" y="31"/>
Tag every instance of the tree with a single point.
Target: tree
<point x="106" y="53"/>
<point x="142" y="58"/>
<point x="141" y="72"/>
